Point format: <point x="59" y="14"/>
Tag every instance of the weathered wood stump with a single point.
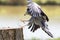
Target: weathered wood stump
<point x="11" y="34"/>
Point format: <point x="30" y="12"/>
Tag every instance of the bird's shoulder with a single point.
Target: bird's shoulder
<point x="35" y="4"/>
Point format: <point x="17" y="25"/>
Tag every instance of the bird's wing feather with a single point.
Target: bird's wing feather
<point x="36" y="11"/>
<point x="43" y="14"/>
<point x="48" y="32"/>
<point x="33" y="10"/>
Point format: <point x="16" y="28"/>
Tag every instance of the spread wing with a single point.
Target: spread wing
<point x="35" y="11"/>
<point x="38" y="19"/>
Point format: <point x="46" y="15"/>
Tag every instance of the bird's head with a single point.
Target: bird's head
<point x="29" y="1"/>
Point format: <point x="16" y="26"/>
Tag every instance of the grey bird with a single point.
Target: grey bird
<point x="38" y="17"/>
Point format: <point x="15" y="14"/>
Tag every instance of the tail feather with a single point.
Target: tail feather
<point x="49" y="33"/>
<point x="45" y="29"/>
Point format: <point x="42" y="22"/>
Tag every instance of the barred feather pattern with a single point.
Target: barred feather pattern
<point x="38" y="18"/>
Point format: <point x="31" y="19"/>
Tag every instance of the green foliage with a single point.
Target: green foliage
<point x="48" y="3"/>
<point x="17" y="2"/>
<point x="51" y="2"/>
<point x="35" y="38"/>
<point x="46" y="39"/>
<point x="39" y="2"/>
<point x="54" y="39"/>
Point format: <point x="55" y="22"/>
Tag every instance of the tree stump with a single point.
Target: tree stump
<point x="11" y="34"/>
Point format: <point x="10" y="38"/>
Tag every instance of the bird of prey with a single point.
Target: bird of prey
<point x="38" y="17"/>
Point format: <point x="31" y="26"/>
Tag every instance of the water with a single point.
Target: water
<point x="53" y="13"/>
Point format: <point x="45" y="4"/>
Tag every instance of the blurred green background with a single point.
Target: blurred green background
<point x="18" y="8"/>
<point x="23" y="2"/>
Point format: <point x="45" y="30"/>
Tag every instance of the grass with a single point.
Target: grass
<point x="54" y="39"/>
<point x="35" y="38"/>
